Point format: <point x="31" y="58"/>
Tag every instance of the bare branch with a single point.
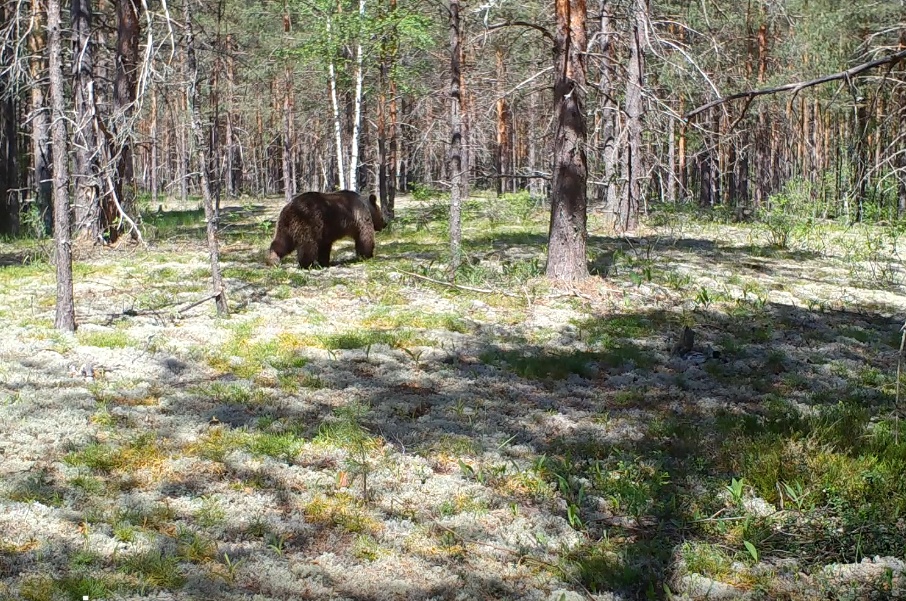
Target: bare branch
<point x="796" y="87"/>
<point x="534" y="26"/>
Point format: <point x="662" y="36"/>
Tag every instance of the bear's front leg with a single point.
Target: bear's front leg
<point x="324" y="253"/>
<point x="307" y="253"/>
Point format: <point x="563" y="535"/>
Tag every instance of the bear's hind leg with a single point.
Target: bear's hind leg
<point x="364" y="244"/>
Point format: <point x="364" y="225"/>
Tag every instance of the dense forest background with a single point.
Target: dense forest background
<point x="279" y="97"/>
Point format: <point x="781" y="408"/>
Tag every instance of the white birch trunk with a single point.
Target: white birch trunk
<point x="357" y="121"/>
<point x="332" y="72"/>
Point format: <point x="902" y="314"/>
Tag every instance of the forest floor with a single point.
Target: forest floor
<point x="362" y="432"/>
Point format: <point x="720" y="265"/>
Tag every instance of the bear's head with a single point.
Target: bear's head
<point x="377" y="216"/>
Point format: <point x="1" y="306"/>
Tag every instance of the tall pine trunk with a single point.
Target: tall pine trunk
<point x="632" y="167"/>
<point x="87" y="164"/>
<point x="610" y="192"/>
<point x="65" y="313"/>
<point x="566" y="258"/>
<point x="124" y="90"/>
<point x="504" y="169"/>
<point x="40" y="127"/>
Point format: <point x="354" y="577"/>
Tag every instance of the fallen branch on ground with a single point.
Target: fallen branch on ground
<point x="459" y="286"/>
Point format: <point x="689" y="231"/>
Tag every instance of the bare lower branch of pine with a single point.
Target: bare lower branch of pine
<point x="796" y="87"/>
<point x="534" y="26"/>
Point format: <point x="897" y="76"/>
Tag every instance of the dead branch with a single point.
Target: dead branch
<point x="458" y="286"/>
<point x="796" y="87"/>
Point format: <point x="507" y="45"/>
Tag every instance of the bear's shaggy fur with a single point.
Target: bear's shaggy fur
<point x="311" y="222"/>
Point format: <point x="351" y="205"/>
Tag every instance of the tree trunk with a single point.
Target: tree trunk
<point x="287" y="148"/>
<point x="901" y="132"/>
<point x="353" y="179"/>
<point x="465" y="111"/>
<point x="65" y="314"/>
<point x="127" y="12"/>
<point x="609" y="117"/>
<point x="9" y="170"/>
<point x="191" y="78"/>
<point x="568" y="234"/>
<point x="87" y="165"/>
<point x="455" y="158"/>
<point x="335" y="105"/>
<point x="233" y="165"/>
<point x="155" y="149"/>
<point x="671" y="161"/>
<point x="628" y="217"/>
<point x="504" y="169"/>
<point x="40" y="129"/>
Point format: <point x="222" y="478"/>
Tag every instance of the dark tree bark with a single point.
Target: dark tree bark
<point x="568" y="233"/>
<point x="632" y="167"/>
<point x="191" y="77"/>
<point x="609" y="192"/>
<point x="9" y="169"/>
<point x="40" y="128"/>
<point x="465" y="112"/>
<point x="65" y="314"/>
<point x="455" y="157"/>
<point x="503" y="153"/>
<point x="124" y="89"/>
<point x="86" y="166"/>
<point x="9" y="142"/>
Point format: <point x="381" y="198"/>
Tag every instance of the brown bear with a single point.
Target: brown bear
<point x="311" y="222"/>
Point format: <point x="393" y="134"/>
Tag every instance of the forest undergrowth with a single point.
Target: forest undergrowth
<point x="712" y="414"/>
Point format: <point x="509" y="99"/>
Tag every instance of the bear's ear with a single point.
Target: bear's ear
<point x="373" y="199"/>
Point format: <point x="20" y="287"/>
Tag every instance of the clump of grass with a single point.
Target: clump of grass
<point x="366" y="548"/>
<point x="211" y="513"/>
<point x="195" y="547"/>
<point x="368" y="338"/>
<point x="38" y="487"/>
<point x="706" y="559"/>
<point x="607" y="331"/>
<point x="284" y="445"/>
<point x="84" y="586"/>
<point x="217" y="443"/>
<point x="383" y="318"/>
<point x="105" y="339"/>
<point x="142" y="452"/>
<point x="343" y="511"/>
<point x="453" y="446"/>
<point x="233" y="393"/>
<point x="155" y="569"/>
<point x="246" y="357"/>
<point x="463" y="503"/>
